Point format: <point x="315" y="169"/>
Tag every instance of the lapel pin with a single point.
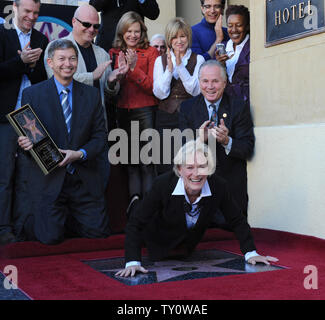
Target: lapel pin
<point x="224" y="115"/>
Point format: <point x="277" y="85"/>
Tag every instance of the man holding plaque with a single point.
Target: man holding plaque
<point x="21" y="64"/>
<point x="71" y="197"/>
<point x="94" y="63"/>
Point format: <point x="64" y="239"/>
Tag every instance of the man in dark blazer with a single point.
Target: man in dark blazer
<point x="173" y="216"/>
<point x="113" y="10"/>
<point x="233" y="130"/>
<point x="21" y="64"/>
<point x="70" y="198"/>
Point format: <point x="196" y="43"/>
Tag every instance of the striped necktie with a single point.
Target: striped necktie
<point x="192" y="213"/>
<point x="66" y="108"/>
<point x="214" y="115"/>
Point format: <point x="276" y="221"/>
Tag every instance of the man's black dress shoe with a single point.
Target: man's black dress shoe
<point x="6" y="238"/>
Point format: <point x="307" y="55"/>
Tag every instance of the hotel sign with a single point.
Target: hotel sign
<point x="293" y="19"/>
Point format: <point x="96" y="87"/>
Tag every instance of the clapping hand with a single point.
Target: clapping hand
<point x="98" y="72"/>
<point x="204" y="130"/>
<point x="30" y="56"/>
<point x="221" y="133"/>
<point x="169" y="61"/>
<point x="177" y="56"/>
<point x="218" y="30"/>
<point x="131" y="58"/>
<point x="123" y="67"/>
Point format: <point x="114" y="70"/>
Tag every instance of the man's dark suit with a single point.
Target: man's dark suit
<point x="238" y="120"/>
<point x="12" y="70"/>
<point x="160" y="220"/>
<point x="87" y="132"/>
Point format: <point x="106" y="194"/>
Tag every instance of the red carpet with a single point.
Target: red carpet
<point x="56" y="272"/>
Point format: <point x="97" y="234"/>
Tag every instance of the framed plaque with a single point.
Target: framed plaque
<point x="44" y="151"/>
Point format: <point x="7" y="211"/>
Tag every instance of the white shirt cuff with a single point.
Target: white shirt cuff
<point x="250" y="254"/>
<point x="132" y="263"/>
<point x="228" y="146"/>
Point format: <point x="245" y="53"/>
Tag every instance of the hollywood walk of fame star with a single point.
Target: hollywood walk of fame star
<point x="204" y="264"/>
<point x="180" y="269"/>
<point x="31" y="126"/>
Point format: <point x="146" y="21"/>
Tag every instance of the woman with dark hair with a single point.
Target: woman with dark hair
<point x="237" y="55"/>
<point x="136" y="102"/>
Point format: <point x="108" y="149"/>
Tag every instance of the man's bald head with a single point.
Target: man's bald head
<point x="83" y="22"/>
<point x="85" y="11"/>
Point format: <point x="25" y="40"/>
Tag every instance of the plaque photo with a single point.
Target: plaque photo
<point x="44" y="151"/>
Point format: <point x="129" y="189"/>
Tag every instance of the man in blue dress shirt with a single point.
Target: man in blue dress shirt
<point x="70" y="199"/>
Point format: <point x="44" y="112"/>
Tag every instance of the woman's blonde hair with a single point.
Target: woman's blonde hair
<point x="189" y="149"/>
<point x="123" y="25"/>
<point x="172" y="28"/>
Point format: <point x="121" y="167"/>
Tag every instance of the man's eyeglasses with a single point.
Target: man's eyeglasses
<point x="209" y="7"/>
<point x="87" y="25"/>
